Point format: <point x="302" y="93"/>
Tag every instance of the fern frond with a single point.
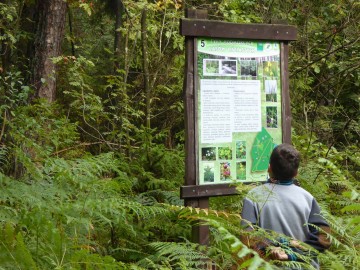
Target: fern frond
<point x="133" y="253"/>
<point x="160" y="196"/>
<point x="3" y="157"/>
<point x="13" y="250"/>
<point x="176" y="254"/>
<point x="343" y="243"/>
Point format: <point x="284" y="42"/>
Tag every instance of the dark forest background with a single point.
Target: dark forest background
<point x="92" y="133"/>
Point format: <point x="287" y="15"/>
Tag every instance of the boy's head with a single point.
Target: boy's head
<point x="284" y="162"/>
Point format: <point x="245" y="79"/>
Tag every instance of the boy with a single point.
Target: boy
<point x="281" y="206"/>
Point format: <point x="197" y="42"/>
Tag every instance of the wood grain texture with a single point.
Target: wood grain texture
<point x="219" y="29"/>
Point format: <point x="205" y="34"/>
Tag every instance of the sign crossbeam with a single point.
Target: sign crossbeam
<point x="208" y="28"/>
<point x="207" y="190"/>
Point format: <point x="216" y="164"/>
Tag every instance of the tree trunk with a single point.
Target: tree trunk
<point x="5" y="54"/>
<point x="145" y="65"/>
<point x="49" y="35"/>
<point x="70" y="18"/>
<point x="119" y="9"/>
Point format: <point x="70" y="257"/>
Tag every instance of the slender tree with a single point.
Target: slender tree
<point x="145" y="65"/>
<point x="70" y="19"/>
<point x="119" y="9"/>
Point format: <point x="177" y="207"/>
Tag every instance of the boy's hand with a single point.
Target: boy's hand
<point x="278" y="253"/>
<point x="297" y="244"/>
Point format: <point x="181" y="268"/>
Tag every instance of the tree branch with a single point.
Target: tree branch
<point x="324" y="56"/>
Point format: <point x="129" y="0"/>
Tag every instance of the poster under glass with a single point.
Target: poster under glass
<point x="239" y="108"/>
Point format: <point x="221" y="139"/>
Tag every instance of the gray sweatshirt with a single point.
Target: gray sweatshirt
<point x="286" y="209"/>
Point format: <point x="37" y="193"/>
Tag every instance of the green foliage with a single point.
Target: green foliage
<point x="175" y="256"/>
<point x="85" y="186"/>
<point x="240" y="249"/>
<point x="85" y="105"/>
<point x="60" y="222"/>
<point x="324" y="78"/>
<point x="36" y="133"/>
<point x="344" y="252"/>
<point x="325" y="173"/>
<point x="13" y="91"/>
<point x="3" y="157"/>
<point x="8" y="21"/>
<point x="238" y="11"/>
<point x="13" y="250"/>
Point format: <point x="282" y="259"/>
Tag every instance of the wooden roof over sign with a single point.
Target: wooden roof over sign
<point x="220" y="29"/>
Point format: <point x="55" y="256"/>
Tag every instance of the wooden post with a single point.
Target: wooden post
<point x="286" y="111"/>
<point x="200" y="233"/>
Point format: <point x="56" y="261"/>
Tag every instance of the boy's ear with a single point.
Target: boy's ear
<point x="295" y="173"/>
<point x="270" y="171"/>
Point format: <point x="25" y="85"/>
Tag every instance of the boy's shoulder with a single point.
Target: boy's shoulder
<point x="270" y="188"/>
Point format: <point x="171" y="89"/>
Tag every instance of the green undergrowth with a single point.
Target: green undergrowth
<point x="64" y="207"/>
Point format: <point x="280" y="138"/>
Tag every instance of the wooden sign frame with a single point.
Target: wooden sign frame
<point x="196" y="25"/>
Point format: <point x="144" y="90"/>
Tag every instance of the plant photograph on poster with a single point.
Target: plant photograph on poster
<point x="240" y="150"/>
<point x="271" y="117"/>
<point x="248" y="68"/>
<point x="241" y="170"/>
<point x="228" y="68"/>
<point x="271" y="69"/>
<point x="211" y="67"/>
<point x="225" y="153"/>
<point x="209" y="175"/>
<point x="208" y="153"/>
<point x="225" y="171"/>
<point x="270" y="90"/>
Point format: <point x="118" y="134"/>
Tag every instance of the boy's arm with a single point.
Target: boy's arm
<point x="249" y="219"/>
<point x="249" y="214"/>
<point x="318" y="238"/>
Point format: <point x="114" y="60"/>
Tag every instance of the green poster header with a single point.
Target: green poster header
<point x="237" y="48"/>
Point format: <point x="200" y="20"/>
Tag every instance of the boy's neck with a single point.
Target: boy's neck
<point x="282" y="182"/>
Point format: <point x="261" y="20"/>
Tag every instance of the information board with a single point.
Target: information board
<point x="239" y="118"/>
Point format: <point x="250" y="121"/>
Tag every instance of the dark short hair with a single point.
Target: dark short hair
<point x="284" y="162"/>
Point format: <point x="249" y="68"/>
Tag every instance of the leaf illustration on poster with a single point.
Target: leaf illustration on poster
<point x="261" y="151"/>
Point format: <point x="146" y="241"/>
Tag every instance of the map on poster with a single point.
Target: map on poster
<point x="239" y="108"/>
